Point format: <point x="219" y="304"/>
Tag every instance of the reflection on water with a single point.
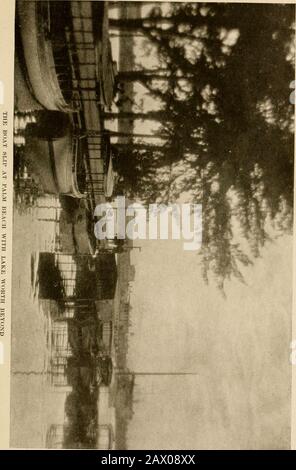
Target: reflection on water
<point x="64" y="343"/>
<point x="32" y="397"/>
<point x="41" y="393"/>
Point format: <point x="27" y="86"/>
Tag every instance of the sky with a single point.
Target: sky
<point x="239" y="348"/>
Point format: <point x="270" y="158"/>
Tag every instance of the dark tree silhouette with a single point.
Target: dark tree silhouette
<point x="227" y="122"/>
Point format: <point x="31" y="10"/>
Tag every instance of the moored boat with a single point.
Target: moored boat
<point x="56" y="154"/>
<point x="34" y="21"/>
<point x="67" y="146"/>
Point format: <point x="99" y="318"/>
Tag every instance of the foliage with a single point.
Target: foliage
<point x="223" y="84"/>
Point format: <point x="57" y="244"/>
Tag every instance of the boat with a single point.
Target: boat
<point x="33" y="20"/>
<point x="67" y="146"/>
<point x="106" y="67"/>
<point x="56" y="154"/>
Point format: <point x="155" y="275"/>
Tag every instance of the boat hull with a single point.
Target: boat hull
<point x="38" y="55"/>
<point x="53" y="153"/>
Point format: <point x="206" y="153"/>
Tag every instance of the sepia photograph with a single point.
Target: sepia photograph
<point x="152" y="241"/>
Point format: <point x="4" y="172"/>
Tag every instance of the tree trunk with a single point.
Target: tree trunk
<point x="150" y="115"/>
<point x="140" y="136"/>
<point x="128" y="34"/>
<point x="162" y="71"/>
<point x="127" y="24"/>
<point x="121" y="146"/>
<point x="149" y="24"/>
<point x="145" y="76"/>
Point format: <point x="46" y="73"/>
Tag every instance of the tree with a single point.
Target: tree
<point x="229" y="122"/>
